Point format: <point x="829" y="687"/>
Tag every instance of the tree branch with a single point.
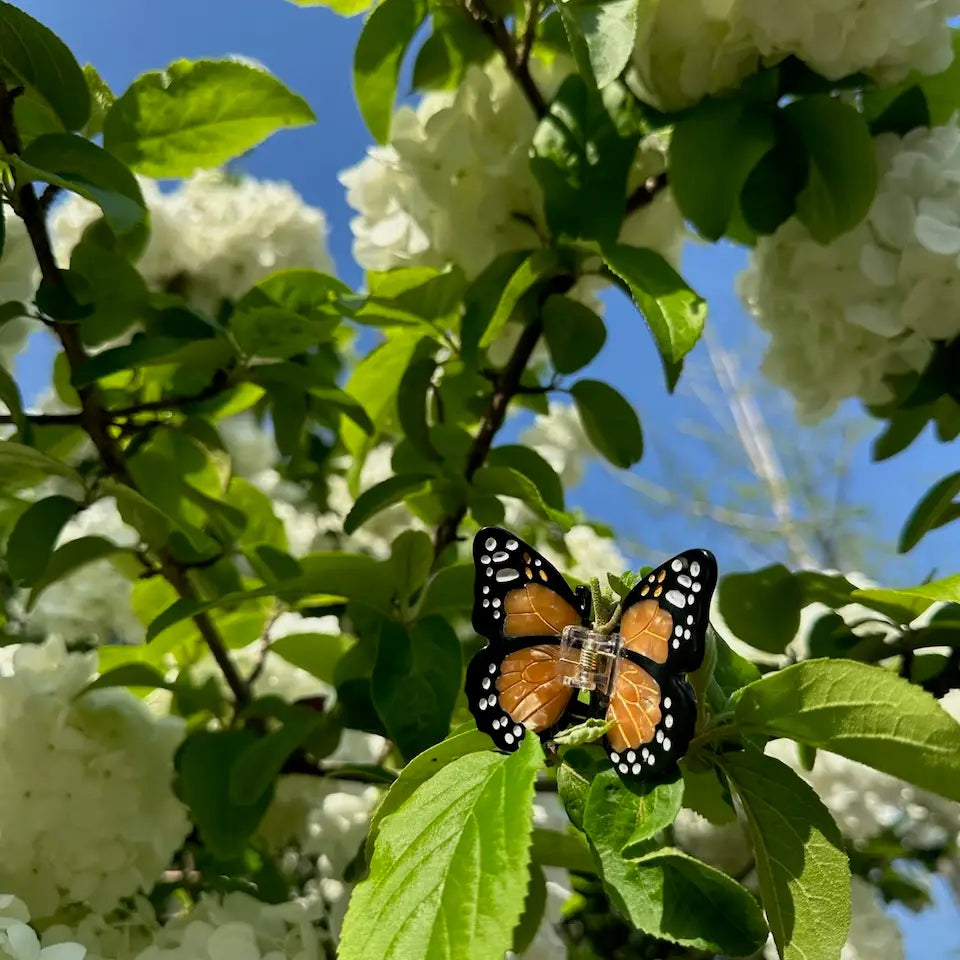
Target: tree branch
<point x="503" y="392"/>
<point x="517" y="61"/>
<point x="94" y="417"/>
<point x="644" y="194"/>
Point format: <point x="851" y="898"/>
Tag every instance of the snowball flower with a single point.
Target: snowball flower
<point x="687" y="49"/>
<point x="845" y="315"/>
<point x="214" y="236"/>
<point x="234" y="927"/>
<point x="93" y="602"/>
<point x="18" y="941"/>
<point x="454" y="183"/>
<point x="87" y="813"/>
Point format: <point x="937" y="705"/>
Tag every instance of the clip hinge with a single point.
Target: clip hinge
<point x="589" y="659"/>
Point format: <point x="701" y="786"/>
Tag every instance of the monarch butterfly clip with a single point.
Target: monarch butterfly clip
<point x="543" y="651"/>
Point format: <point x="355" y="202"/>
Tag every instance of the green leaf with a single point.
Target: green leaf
<point x="582" y="161"/>
<point x="73" y="163"/>
<point x="449" y="591"/>
<point x="383" y="41"/>
<point x="447" y="53"/>
<point x="601" y="35"/>
<point x="674" y="313"/>
<point x="666" y="893"/>
<point x="762" y="608"/>
<point x="645" y="811"/>
<point x="731" y="671"/>
<point x="256" y="769"/>
<point x="575" y="775"/>
<point x="317" y="653"/>
<point x="118" y="292"/>
<point x="539" y="265"/>
<point x="843" y="165"/>
<point x="482" y="297"/>
<point x="374" y="384"/>
<point x="9" y="391"/>
<point x="706" y="793"/>
<point x="527" y="461"/>
<point x="569" y="851"/>
<point x="801" y="862"/>
<point x="346" y="8"/>
<point x="20" y="463"/>
<point x="416" y="681"/>
<point x="204" y="763"/>
<point x="382" y="495"/>
<point x="34" y="535"/>
<point x="863" y="712"/>
<point x="197" y="115"/>
<point x="937" y="507"/>
<point x="68" y="559"/>
<point x="413" y="398"/>
<point x="916" y="599"/>
<point x="574" y="333"/>
<point x="131" y="675"/>
<point x="309" y="293"/>
<point x="38" y="58"/>
<point x="419" y="770"/>
<point x="442" y="883"/>
<point x="590" y="731"/>
<point x="507" y="482"/>
<point x="101" y="99"/>
<point x="609" y="421"/>
<point x="276" y="333"/>
<point x="411" y="556"/>
<point x="734" y="134"/>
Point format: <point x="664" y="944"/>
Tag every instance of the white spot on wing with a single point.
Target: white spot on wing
<point x="492" y="668"/>
<point x="667" y="702"/>
<point x="491" y="543"/>
<point x="508" y="737"/>
<point x="667" y="744"/>
<point x="668" y="721"/>
<point x="696" y="587"/>
<point x="673" y="596"/>
<point x="636" y="768"/>
<point x="677" y="565"/>
<point x="659" y="736"/>
<point x="512" y="544"/>
<point x="500" y="556"/>
<point x="684" y="580"/>
<point x="506" y="574"/>
<point x="695" y="568"/>
<point x="615" y="757"/>
<point x="485" y="683"/>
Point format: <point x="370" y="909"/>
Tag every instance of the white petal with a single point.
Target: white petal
<point x="937" y="236"/>
<point x="63" y="951"/>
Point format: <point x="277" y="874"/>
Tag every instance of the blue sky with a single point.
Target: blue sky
<point x="311" y="50"/>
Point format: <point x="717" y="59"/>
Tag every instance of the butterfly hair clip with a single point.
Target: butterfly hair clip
<point x="547" y="666"/>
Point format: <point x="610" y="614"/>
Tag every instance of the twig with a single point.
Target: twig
<point x="496" y="30"/>
<point x="529" y="33"/>
<point x="503" y="392"/>
<point x="644" y="194"/>
<point x="95" y="418"/>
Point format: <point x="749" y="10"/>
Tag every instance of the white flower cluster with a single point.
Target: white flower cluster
<point x="454" y="184"/>
<point x="93" y="602"/>
<point x="19" y="276"/>
<point x="234" y="927"/>
<point x="690" y="48"/>
<point x="845" y="315"/>
<point x="558" y="436"/>
<point x="87" y="813"/>
<point x="19" y="941"/>
<point x="214" y="236"/>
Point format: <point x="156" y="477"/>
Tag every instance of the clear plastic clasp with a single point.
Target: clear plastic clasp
<point x="589" y="658"/>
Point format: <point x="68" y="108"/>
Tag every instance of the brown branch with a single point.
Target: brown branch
<point x="168" y="404"/>
<point x="517" y="63"/>
<point x="94" y="417"/>
<point x="503" y="393"/>
<point x="644" y="194"/>
<point x="529" y="33"/>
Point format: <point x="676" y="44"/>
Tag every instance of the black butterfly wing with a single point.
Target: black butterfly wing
<point x="663" y="629"/>
<point x="517" y="591"/>
<point x="521" y="605"/>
